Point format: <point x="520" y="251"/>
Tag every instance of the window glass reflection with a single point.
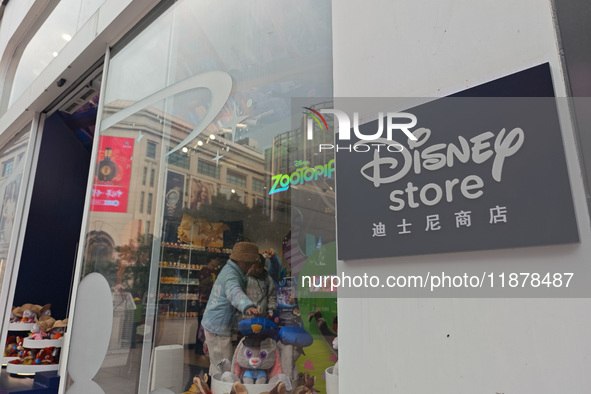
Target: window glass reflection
<point x="13" y="167"/>
<point x="174" y="232"/>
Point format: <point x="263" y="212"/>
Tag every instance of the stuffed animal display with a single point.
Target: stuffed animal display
<point x="43" y="356"/>
<point x="44" y="328"/>
<point x="265" y="355"/>
<point x="27" y="313"/>
<point x="25" y="356"/>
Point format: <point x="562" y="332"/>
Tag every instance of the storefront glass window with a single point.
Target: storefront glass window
<point x="204" y="96"/>
<point x="13" y="167"/>
<point x="57" y="30"/>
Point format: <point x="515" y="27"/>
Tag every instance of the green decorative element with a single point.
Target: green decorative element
<point x="318" y="355"/>
<point x="321" y="263"/>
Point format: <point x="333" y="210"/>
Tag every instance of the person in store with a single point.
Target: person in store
<point x="226" y="301"/>
<point x="206" y="276"/>
<point x="261" y="290"/>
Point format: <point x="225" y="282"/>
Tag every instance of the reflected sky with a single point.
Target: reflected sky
<point x="272" y="52"/>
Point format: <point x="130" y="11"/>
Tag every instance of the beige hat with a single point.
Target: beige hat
<point x="45" y="317"/>
<point x="61" y="323"/>
<point x="18" y="311"/>
<point x="246" y="252"/>
<point x="45" y="324"/>
<point x="36" y="309"/>
<point x="46" y="307"/>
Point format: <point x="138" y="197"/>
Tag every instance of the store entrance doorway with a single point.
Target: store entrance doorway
<point x="56" y="203"/>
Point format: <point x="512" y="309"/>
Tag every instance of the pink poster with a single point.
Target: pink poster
<point x="110" y="190"/>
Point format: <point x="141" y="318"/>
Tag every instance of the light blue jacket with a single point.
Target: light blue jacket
<point x="227" y="298"/>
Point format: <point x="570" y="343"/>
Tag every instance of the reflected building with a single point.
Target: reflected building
<point x="210" y="166"/>
<point x="308" y="205"/>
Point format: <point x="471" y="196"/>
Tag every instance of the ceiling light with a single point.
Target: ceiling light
<point x="212" y="137"/>
<point x="66" y="37"/>
<point x="200" y="143"/>
<point x="185" y="150"/>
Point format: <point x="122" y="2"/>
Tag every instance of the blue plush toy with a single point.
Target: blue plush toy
<point x="296" y="336"/>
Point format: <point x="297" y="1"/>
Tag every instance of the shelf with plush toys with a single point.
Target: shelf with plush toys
<point x="22" y="320"/>
<point x="39" y="350"/>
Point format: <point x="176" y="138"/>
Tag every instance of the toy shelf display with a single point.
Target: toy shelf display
<point x="179" y="285"/>
<point x="14" y="327"/>
<point x="42" y="354"/>
<point x="34" y="340"/>
<point x="176" y="245"/>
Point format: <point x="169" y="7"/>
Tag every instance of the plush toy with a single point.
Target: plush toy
<point x="306" y="384"/>
<point x="46" y="323"/>
<point x="17" y="313"/>
<point x="291" y="342"/>
<point x="45" y="310"/>
<point x="26" y="356"/>
<point x="17" y="351"/>
<point x="279" y="389"/>
<point x="13" y="317"/>
<point x="199" y="386"/>
<point x="42" y="327"/>
<point x="36" y="332"/>
<point x="11" y="346"/>
<point x="238" y="388"/>
<point x="29" y="314"/>
<point x="45" y="356"/>
<point x="58" y="329"/>
<point x="256" y="359"/>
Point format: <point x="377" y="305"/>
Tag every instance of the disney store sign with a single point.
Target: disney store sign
<point x="480" y="173"/>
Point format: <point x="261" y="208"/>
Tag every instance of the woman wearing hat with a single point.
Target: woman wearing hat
<point x="227" y="296"/>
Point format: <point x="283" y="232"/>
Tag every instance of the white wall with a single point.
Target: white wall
<point x="434" y="48"/>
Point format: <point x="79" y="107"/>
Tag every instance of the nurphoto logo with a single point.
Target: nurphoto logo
<point x="368" y="141"/>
